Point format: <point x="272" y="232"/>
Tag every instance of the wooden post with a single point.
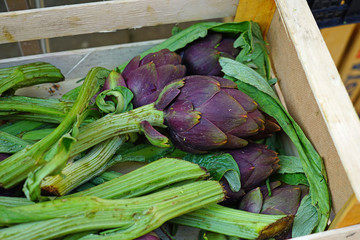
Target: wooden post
<point x="260" y="11"/>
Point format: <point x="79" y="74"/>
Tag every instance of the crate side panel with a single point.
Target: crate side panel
<point x="325" y="83"/>
<point x="107" y="16"/>
<point x="302" y="106"/>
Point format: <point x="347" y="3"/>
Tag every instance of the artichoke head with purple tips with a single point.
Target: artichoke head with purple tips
<point x="284" y="199"/>
<point x="211" y="113"/>
<point x="148" y="76"/>
<point x="256" y="163"/>
<point x="202" y="56"/>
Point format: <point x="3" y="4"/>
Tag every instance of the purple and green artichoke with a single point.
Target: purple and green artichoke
<point x="256" y="163"/>
<point x="148" y="76"/>
<point x="284" y="199"/>
<point x="211" y="113"/>
<point x="202" y="56"/>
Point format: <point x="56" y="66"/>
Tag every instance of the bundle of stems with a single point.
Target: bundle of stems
<point x="16" y="168"/>
<point x="130" y="218"/>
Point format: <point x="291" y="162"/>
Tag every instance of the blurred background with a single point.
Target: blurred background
<point x="338" y="21"/>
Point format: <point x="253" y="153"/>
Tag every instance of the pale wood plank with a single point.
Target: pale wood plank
<point x="76" y="64"/>
<point x="326" y="85"/>
<point x="303" y="106"/>
<point x="107" y="16"/>
<point x="260" y="11"/>
<point x="348" y="233"/>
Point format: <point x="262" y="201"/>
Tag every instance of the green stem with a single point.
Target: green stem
<point x="146" y="179"/>
<point x="52" y="107"/>
<point x="76" y="173"/>
<point x="28" y="75"/>
<point x="135" y="216"/>
<point x="14" y="201"/>
<point x="115" y="124"/>
<point x="15" y="168"/>
<point x="32" y="117"/>
<point x="236" y="223"/>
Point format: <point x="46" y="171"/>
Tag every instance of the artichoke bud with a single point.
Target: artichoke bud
<point x="147" y="77"/>
<point x="202" y="56"/>
<point x="256" y="163"/>
<point x="210" y="113"/>
<point x="284" y="199"/>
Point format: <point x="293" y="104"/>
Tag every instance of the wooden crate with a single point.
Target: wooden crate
<point x="308" y="79"/>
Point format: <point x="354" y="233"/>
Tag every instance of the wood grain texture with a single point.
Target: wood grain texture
<point x="348" y="233"/>
<point x="107" y="16"/>
<point x="260" y="11"/>
<point x="302" y="105"/>
<point x="329" y="93"/>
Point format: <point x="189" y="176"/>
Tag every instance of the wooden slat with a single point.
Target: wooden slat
<point x="260" y="11"/>
<point x="326" y="85"/>
<point x="26" y="47"/>
<point x="302" y="105"/>
<point x="107" y="16"/>
<point x="76" y="64"/>
<point x="348" y="233"/>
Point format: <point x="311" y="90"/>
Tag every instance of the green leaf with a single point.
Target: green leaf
<point x="219" y="165"/>
<point x="144" y="152"/>
<point x="290" y="164"/>
<point x="72" y="94"/>
<point x="251" y="83"/>
<point x="196" y="31"/>
<point x="291" y="178"/>
<point x="306" y="218"/>
<point x="11" y="144"/>
<point x="247" y="75"/>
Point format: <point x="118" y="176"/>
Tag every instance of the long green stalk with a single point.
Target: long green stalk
<point x="15" y="168"/>
<point x="135" y="216"/>
<point x="76" y="173"/>
<point x="52" y="107"/>
<point x="236" y="223"/>
<point x="116" y="124"/>
<point x="146" y="179"/>
<point x="14" y="201"/>
<point x="28" y="75"/>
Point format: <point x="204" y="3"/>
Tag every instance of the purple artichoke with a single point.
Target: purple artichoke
<point x="211" y="113"/>
<point x="256" y="163"/>
<point x="201" y="113"/>
<point x="147" y="77"/>
<point x="284" y="199"/>
<point x="202" y="56"/>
